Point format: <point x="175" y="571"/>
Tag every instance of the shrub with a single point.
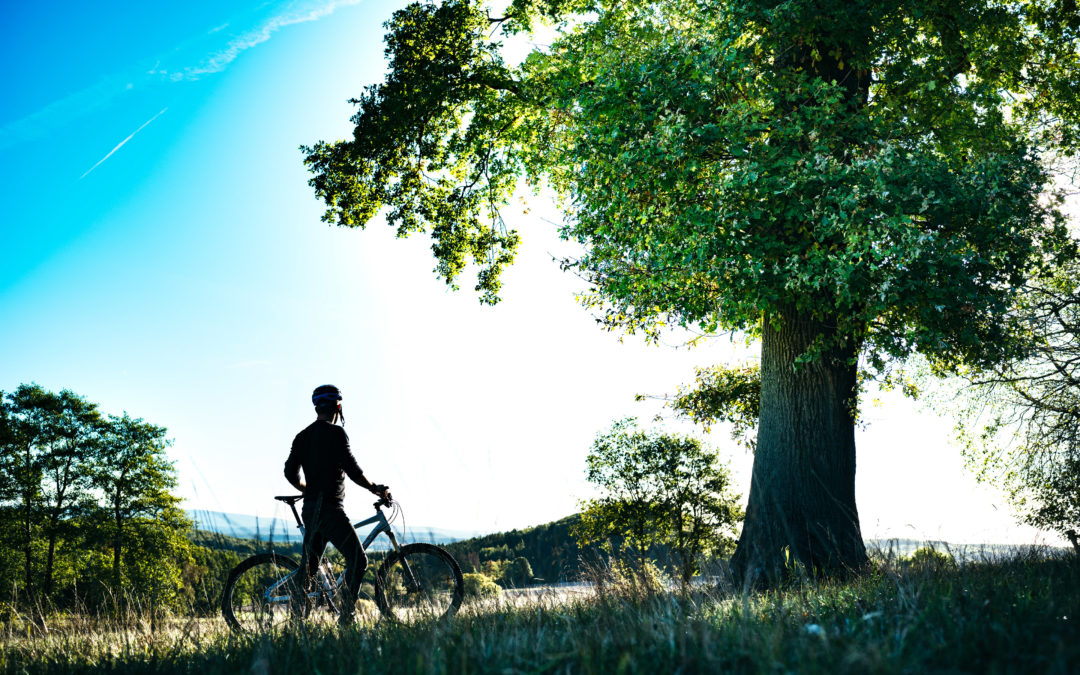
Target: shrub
<point x="480" y="586"/>
<point x="518" y="572"/>
<point x="931" y="559"/>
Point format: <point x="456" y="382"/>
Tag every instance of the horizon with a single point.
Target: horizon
<point x="906" y="544"/>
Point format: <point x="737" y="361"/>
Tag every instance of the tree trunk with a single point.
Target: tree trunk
<point x="62" y="483"/>
<point x="802" y="494"/>
<point x="28" y="520"/>
<point x="28" y="551"/>
<point x="116" y="543"/>
<point x="684" y="546"/>
<point x="53" y="525"/>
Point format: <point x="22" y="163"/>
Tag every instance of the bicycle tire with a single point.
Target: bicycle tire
<point x="441" y="586"/>
<point x="268" y="569"/>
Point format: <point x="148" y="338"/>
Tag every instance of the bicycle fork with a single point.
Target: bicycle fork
<point x="410" y="578"/>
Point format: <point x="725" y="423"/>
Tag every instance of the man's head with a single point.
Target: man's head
<point x="327" y="402"/>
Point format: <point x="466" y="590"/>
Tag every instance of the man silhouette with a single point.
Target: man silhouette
<point x="322" y="451"/>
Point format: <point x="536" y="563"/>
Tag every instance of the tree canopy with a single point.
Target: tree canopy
<point x="718" y="165"/>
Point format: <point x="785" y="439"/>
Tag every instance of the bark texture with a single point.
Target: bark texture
<point x="801" y="510"/>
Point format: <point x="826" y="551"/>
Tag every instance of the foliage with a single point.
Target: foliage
<point x="203" y="579"/>
<point x="1011" y="616"/>
<point x="86" y="510"/>
<point x="659" y="489"/>
<point x="479" y="585"/>
<point x="242" y="546"/>
<point x="929" y="558"/>
<point x="518" y="573"/>
<point x="723" y="160"/>
<point x="494" y="568"/>
<point x="723" y="394"/>
<point x="428" y="178"/>
<point x="513" y="573"/>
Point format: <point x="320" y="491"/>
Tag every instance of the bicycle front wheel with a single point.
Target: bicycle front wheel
<point x="418" y="582"/>
<point x="259" y="594"/>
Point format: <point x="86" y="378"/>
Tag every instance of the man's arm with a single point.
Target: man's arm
<point x="292" y="468"/>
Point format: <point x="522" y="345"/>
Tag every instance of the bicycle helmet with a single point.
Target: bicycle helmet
<point x="325" y="396"/>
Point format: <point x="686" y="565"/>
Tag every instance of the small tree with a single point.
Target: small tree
<point x="28" y="422"/>
<point x="518" y="573"/>
<point x="140" y="519"/>
<point x="624" y="471"/>
<point x="659" y="490"/>
<point x="65" y="456"/>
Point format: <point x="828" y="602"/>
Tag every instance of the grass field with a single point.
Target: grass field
<point x="1018" y="615"/>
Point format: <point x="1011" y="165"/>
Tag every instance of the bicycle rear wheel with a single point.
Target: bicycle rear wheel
<point x="419" y="582"/>
<point x="259" y="594"/>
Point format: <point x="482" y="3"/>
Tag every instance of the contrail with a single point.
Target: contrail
<point x="121" y="143"/>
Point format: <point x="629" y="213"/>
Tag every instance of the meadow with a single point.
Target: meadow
<point x="1016" y="614"/>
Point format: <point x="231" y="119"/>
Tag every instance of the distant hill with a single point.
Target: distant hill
<point x="551" y="550"/>
<point x="280" y="530"/>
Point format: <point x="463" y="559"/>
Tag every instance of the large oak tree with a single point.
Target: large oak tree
<point x="851" y="181"/>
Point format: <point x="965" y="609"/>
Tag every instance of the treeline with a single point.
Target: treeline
<point x="550" y="551"/>
<point x="241" y="546"/>
<point x="88" y="515"/>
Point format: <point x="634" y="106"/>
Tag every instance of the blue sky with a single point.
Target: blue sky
<point x="162" y="254"/>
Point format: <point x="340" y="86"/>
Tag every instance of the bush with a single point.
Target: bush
<point x="931" y="559"/>
<point x="494" y="569"/>
<point x="518" y="572"/>
<point x="480" y="586"/>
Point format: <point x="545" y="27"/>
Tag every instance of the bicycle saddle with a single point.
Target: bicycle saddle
<point x="289" y="499"/>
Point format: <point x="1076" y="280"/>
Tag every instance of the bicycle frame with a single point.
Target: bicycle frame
<point x="325" y="574"/>
<point x="404" y="583"/>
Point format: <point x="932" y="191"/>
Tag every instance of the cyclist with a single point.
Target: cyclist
<point x="322" y="451"/>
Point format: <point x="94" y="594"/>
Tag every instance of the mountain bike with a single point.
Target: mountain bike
<point x="415" y="582"/>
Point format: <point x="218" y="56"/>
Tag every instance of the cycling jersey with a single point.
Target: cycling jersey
<point x="322" y="451"/>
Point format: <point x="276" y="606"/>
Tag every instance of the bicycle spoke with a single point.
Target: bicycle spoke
<point x="260" y="594"/>
<point x="419" y="583"/>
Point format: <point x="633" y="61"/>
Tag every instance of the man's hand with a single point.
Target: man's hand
<point x="382" y="491"/>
